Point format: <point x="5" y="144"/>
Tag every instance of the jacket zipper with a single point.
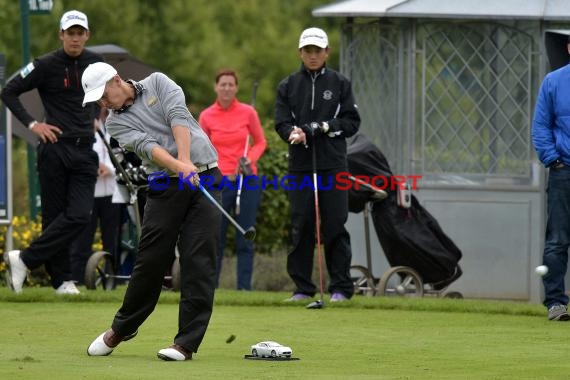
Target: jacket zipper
<point x="77" y="76"/>
<point x="66" y="78"/>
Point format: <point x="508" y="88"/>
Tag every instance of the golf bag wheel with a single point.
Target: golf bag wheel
<point x="362" y="280"/>
<point x="100" y="271"/>
<point x="401" y="282"/>
<point x="254" y="352"/>
<point x="176" y="275"/>
<point x="456" y="295"/>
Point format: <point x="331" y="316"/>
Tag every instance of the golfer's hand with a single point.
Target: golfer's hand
<point x="297" y="136"/>
<point x="46" y="132"/>
<point x="187" y="168"/>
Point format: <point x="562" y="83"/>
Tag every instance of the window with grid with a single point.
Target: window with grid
<point x="475" y="113"/>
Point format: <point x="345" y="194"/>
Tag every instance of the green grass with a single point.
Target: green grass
<point x="43" y="336"/>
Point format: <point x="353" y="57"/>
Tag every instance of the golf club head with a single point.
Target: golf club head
<point x="318" y="304"/>
<point x="249" y="233"/>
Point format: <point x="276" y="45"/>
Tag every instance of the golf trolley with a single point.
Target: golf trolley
<point x="399" y="280"/>
<point x="103" y="269"/>
<point x="423" y="260"/>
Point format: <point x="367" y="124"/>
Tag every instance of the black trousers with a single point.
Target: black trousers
<point x="67" y="173"/>
<point x="106" y="215"/>
<point x="333" y="205"/>
<point x="187" y="218"/>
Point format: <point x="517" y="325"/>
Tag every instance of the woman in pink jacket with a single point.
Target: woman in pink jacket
<point x="235" y="130"/>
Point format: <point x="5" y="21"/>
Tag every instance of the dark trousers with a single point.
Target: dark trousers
<point x="172" y="216"/>
<point x="106" y="215"/>
<point x="557" y="238"/>
<point x="67" y="174"/>
<point x="333" y="205"/>
<point x="250" y="198"/>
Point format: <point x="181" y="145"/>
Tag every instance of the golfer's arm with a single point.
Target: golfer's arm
<point x="164" y="159"/>
<point x="182" y="139"/>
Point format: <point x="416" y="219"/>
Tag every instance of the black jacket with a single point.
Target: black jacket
<point x="57" y="77"/>
<point x="304" y="97"/>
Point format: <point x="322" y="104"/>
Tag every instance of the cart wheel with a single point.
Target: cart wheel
<point x="176" y="275"/>
<point x="362" y="280"/>
<point x="100" y="271"/>
<point x="401" y="281"/>
<point x="456" y="295"/>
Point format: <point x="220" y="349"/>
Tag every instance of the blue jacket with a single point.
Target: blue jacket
<point x="551" y="123"/>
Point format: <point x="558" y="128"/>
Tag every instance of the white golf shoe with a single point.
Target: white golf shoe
<point x="67" y="287"/>
<point x="16" y="270"/>
<point x="105" y="343"/>
<point x="174" y="353"/>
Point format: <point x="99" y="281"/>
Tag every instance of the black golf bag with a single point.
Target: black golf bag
<point x="409" y="236"/>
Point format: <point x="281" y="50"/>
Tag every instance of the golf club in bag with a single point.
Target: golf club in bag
<point x="124" y="176"/>
<point x="248" y="234"/>
<point x="319" y="304"/>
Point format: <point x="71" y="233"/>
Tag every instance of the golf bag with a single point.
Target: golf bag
<point x="409" y="236"/>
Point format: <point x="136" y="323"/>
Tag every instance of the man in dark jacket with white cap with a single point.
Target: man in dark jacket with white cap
<point x="317" y="96"/>
<point x="66" y="163"/>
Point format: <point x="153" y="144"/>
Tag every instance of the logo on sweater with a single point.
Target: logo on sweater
<point x="327" y="95"/>
<point x="152" y="100"/>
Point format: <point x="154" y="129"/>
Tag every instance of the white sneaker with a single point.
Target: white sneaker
<point x="101" y="348"/>
<point x="67" y="287"/>
<point x="16" y="270"/>
<point x="174" y="353"/>
<point x="98" y="347"/>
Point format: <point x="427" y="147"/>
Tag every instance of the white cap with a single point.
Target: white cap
<point x="71" y="18"/>
<point x="314" y="36"/>
<point x="94" y="79"/>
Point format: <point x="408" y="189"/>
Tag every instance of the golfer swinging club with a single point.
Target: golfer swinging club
<point x="150" y="118"/>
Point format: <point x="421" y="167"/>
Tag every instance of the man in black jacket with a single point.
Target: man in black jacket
<point x="318" y="96"/>
<point x="66" y="163"/>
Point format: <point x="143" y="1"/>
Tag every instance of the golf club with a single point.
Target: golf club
<point x="132" y="189"/>
<point x="248" y="234"/>
<point x="240" y="178"/>
<point x="319" y="304"/>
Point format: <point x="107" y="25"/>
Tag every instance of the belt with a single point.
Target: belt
<point x="203" y="168"/>
<point x="77" y="141"/>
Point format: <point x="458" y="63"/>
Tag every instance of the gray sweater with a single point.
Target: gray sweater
<point x="148" y="123"/>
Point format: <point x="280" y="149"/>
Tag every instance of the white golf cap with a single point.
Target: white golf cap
<point x="94" y="79"/>
<point x="314" y="36"/>
<point x="71" y="18"/>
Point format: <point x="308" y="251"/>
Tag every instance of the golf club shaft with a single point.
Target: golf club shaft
<point x="133" y="190"/>
<point x="240" y="178"/>
<point x="219" y="206"/>
<point x="317" y="218"/>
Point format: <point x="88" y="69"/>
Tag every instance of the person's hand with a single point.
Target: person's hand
<point x="187" y="168"/>
<point x="46" y="132"/>
<point x="315" y="128"/>
<point x="297" y="136"/>
<point x="103" y="170"/>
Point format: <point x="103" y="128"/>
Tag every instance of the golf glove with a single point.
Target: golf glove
<point x="316" y="128"/>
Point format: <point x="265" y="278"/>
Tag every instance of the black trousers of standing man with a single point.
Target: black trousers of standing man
<point x="333" y="205"/>
<point x="67" y="171"/>
<point x="184" y="216"/>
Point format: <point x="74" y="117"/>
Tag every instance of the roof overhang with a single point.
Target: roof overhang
<point x="553" y="10"/>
